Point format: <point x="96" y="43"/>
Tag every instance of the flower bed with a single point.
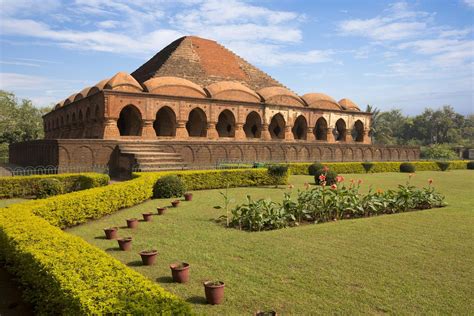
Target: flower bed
<point x="323" y="204"/>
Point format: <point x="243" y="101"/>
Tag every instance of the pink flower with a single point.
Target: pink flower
<point x="334" y="187"/>
<point x="325" y="169"/>
<point x="322" y="178"/>
<point x="359" y="181"/>
<point x="339" y="179"/>
<point x="430" y="181"/>
<point x="323" y="183"/>
<point x="352" y="180"/>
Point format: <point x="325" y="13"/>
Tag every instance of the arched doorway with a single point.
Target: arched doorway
<point x="165" y="122"/>
<point x="130" y="121"/>
<point x="277" y="127"/>
<point x="358" y="131"/>
<point x="226" y="124"/>
<point x="197" y="123"/>
<point x="320" y="129"/>
<point x="340" y="131"/>
<point x="300" y="128"/>
<point x="253" y="125"/>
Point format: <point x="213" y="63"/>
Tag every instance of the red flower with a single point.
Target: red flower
<point x="339" y="178"/>
<point x="334" y="187"/>
<point x="322" y="178"/>
<point x="325" y="169"/>
<point x="430" y="181"/>
<point x="359" y="181"/>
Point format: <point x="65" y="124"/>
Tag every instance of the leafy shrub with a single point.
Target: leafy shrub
<point x="438" y="151"/>
<point x="63" y="274"/>
<point x="470" y="165"/>
<point x="322" y="204"/>
<point x="367" y="166"/>
<point x="278" y="172"/>
<point x="329" y="174"/>
<point x="443" y="165"/>
<point x="168" y="186"/>
<point x="313" y="168"/>
<point x="25" y="186"/>
<point x="407" y="167"/>
<point x="48" y="187"/>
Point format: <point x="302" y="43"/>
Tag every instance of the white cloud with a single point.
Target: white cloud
<point x="469" y="3"/>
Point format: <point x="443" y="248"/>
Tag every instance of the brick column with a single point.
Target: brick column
<point x="310" y="135"/>
<point x="148" y="131"/>
<point x="211" y="130"/>
<point x="265" y="135"/>
<point x="239" y="132"/>
<point x="111" y="130"/>
<point x="330" y="135"/>
<point x="289" y="133"/>
<point x="181" y="131"/>
<point x="366" y="139"/>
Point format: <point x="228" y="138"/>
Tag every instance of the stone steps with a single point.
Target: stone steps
<point x="149" y="157"/>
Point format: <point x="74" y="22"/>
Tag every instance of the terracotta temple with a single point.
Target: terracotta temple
<point x="197" y="103"/>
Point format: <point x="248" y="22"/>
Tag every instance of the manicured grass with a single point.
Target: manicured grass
<point x="412" y="263"/>
<point x="6" y="202"/>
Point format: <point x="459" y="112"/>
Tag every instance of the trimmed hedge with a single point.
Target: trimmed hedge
<point x="63" y="274"/>
<point x="387" y="166"/>
<point x="24" y="186"/>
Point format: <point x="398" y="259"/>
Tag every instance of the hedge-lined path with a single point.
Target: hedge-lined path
<point x="11" y="302"/>
<point x="419" y="262"/>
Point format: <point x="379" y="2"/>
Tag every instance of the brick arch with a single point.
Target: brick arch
<point x="338" y="156"/>
<point x="220" y="153"/>
<point x="300" y="128"/>
<point x="277" y="126"/>
<point x="165" y="122"/>
<point x="394" y="155"/>
<point x="197" y="123"/>
<point x="203" y="154"/>
<point x="411" y="155"/>
<point x="64" y="156"/>
<point x="278" y="153"/>
<point x="130" y="121"/>
<point x="403" y="155"/>
<point x="386" y="155"/>
<point x="348" y="154"/>
<point x="304" y="154"/>
<point x="253" y="125"/>
<point x="115" y="111"/>
<point x="316" y="154"/>
<point x="235" y="153"/>
<point x="377" y="155"/>
<point x="358" y="154"/>
<point x="340" y="130"/>
<point x="326" y="154"/>
<point x="83" y="154"/>
<point x="251" y="153"/>
<point x="187" y="153"/>
<point x="368" y="155"/>
<point x="226" y="123"/>
<point x="291" y="154"/>
<point x="266" y="154"/>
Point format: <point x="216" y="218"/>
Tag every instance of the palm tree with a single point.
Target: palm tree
<point x="374" y="126"/>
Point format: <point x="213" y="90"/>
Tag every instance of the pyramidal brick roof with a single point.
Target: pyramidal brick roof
<point x="203" y="62"/>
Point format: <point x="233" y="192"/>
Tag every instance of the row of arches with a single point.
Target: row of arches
<point x="130" y="123"/>
<point x="71" y="118"/>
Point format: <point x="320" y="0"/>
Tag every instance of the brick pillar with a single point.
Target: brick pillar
<point x="265" y="132"/>
<point x="148" y="131"/>
<point x="239" y="132"/>
<point x="289" y="133"/>
<point x="111" y="130"/>
<point x="310" y="135"/>
<point x="347" y="136"/>
<point x="211" y="130"/>
<point x="330" y="135"/>
<point x="366" y="139"/>
<point x="181" y="131"/>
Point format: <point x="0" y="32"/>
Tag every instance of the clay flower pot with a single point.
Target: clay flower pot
<point x="111" y="232"/>
<point x="161" y="210"/>
<point x="147" y="217"/>
<point x="180" y="272"/>
<point x="175" y="203"/>
<point x="266" y="313"/>
<point x="188" y="196"/>
<point x="125" y="243"/>
<point x="148" y="257"/>
<point x="214" y="292"/>
<point x="132" y="223"/>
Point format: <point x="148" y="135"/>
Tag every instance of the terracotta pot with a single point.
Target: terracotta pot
<point x="111" y="232"/>
<point x="214" y="292"/>
<point x="161" y="210"/>
<point x="175" y="203"/>
<point x="188" y="196"/>
<point x="147" y="217"/>
<point x="148" y="257"/>
<point x="132" y="223"/>
<point x="180" y="272"/>
<point x="125" y="243"/>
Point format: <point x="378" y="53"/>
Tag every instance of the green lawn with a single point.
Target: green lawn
<point x="4" y="203"/>
<point x="412" y="263"/>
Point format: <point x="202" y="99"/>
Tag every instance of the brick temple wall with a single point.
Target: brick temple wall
<point x="88" y="152"/>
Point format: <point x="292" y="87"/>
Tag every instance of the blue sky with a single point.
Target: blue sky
<point x="407" y="55"/>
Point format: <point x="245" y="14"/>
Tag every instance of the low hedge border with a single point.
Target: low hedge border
<point x="64" y="274"/>
<point x="388" y="166"/>
<point x="24" y="186"/>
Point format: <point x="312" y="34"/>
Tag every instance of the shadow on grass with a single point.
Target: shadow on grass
<point x="117" y="249"/>
<point x="200" y="300"/>
<point x="165" y="279"/>
<point x="136" y="263"/>
<point x="100" y="237"/>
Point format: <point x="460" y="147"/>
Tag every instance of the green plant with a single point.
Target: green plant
<point x="407" y="167"/>
<point x="443" y="165"/>
<point x="367" y="166"/>
<point x="168" y="186"/>
<point x="313" y="168"/>
<point x="279" y="173"/>
<point x="470" y="165"/>
<point x="438" y="151"/>
<point x="48" y="187"/>
<point x="227" y="201"/>
<point x="329" y="177"/>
